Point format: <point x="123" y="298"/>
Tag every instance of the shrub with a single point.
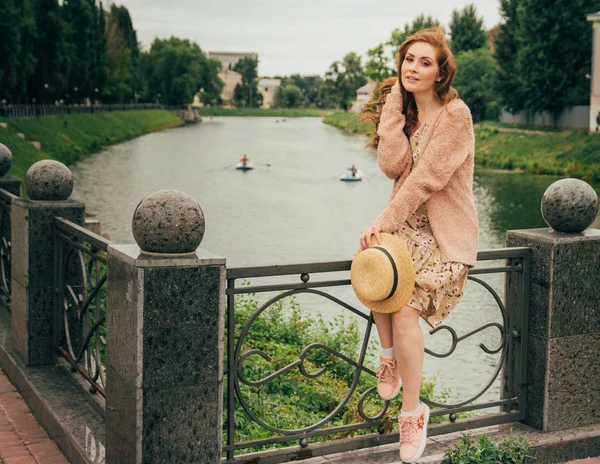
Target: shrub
<point x="485" y="451"/>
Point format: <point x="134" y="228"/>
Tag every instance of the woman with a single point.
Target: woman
<point x="425" y="142"/>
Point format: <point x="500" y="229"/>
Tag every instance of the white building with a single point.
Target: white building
<point x="363" y="96"/>
<point x="268" y="88"/>
<point x="229" y="59"/>
<point x="230" y="80"/>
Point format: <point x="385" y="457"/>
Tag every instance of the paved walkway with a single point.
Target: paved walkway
<point x="22" y="441"/>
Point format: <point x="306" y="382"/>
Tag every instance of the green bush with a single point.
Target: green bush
<point x="291" y="400"/>
<point x="485" y="451"/>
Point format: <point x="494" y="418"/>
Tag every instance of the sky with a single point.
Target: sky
<point x="289" y="36"/>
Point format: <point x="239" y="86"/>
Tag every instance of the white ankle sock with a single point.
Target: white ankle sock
<point x="411" y="413"/>
<point x="388" y="352"/>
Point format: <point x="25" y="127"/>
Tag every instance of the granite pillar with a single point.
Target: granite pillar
<point x="564" y="327"/>
<point x="165" y="331"/>
<point x="32" y="275"/>
<point x="11" y="184"/>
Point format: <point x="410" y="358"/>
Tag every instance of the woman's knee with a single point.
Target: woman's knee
<point x="406" y="318"/>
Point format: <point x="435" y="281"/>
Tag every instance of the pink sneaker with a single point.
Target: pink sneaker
<point x="388" y="378"/>
<point x="413" y="434"/>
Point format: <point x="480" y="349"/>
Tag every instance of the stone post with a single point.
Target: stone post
<point x="165" y="330"/>
<point x="11" y="184"/>
<point x="564" y="310"/>
<point x="48" y="184"/>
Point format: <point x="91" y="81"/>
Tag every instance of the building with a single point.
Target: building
<point x="230" y="80"/>
<point x="268" y="88"/>
<point x="229" y="77"/>
<point x="363" y="96"/>
<point x="229" y="59"/>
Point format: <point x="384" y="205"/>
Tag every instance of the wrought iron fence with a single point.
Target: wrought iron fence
<point x="5" y="247"/>
<point x="40" y="111"/>
<point x="511" y="350"/>
<point x="80" y="308"/>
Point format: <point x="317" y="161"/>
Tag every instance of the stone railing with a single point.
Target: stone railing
<point x="145" y="323"/>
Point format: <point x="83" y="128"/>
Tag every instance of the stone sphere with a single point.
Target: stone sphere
<point x="5" y="160"/>
<point x="168" y="221"/>
<point x="569" y="205"/>
<point x="49" y="180"/>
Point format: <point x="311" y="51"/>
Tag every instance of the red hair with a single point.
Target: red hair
<point x="442" y="90"/>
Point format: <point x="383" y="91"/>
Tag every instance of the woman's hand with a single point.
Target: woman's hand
<point x="365" y="237"/>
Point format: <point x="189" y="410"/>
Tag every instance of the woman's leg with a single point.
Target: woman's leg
<point x="410" y="351"/>
<point x="388" y="376"/>
<point x="409" y="346"/>
<point x="383" y="322"/>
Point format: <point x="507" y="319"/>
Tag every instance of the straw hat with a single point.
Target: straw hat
<point x="383" y="276"/>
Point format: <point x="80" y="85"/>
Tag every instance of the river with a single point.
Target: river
<point x="292" y="208"/>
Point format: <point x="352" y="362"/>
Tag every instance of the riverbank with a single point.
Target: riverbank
<point x="266" y="112"/>
<point x="574" y="154"/>
<point x="68" y="138"/>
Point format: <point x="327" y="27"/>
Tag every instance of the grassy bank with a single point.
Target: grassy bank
<point x="67" y="138"/>
<point x="575" y="153"/>
<point x="266" y="112"/>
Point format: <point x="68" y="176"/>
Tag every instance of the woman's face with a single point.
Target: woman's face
<point x="419" y="69"/>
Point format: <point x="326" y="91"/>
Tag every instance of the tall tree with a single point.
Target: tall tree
<point x="125" y="25"/>
<point x="554" y="55"/>
<point x="99" y="69"/>
<point x="175" y="71"/>
<point x="420" y="22"/>
<point x="342" y="80"/>
<point x="27" y="59"/>
<point x="466" y="30"/>
<point x="377" y="66"/>
<point x="475" y="81"/>
<point x="81" y="20"/>
<point x="49" y="80"/>
<point x="506" y="49"/>
<point x="10" y="48"/>
<point x="118" y="59"/>
<point x="247" y="94"/>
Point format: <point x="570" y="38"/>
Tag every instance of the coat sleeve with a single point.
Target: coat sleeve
<point x="448" y="149"/>
<point x="393" y="150"/>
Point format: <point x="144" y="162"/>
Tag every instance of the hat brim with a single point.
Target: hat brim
<point x="406" y="276"/>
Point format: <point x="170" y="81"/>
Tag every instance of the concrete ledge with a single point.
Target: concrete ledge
<point x="548" y="447"/>
<point x="64" y="410"/>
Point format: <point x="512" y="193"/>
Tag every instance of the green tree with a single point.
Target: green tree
<point x="10" y="48"/>
<point x="175" y="71"/>
<point x="248" y="94"/>
<point x="291" y="96"/>
<point x="48" y="82"/>
<point x="420" y="22"/>
<point x="342" y="80"/>
<point x="506" y="49"/>
<point x="308" y="85"/>
<point x="475" y="82"/>
<point x="466" y="30"/>
<point x="99" y="68"/>
<point x="554" y="55"/>
<point x="81" y="19"/>
<point x="118" y="59"/>
<point x="125" y="26"/>
<point x="27" y="59"/>
<point x="377" y="66"/>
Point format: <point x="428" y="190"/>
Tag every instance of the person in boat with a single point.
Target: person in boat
<point x="353" y="170"/>
<point x="244" y="160"/>
<point x="425" y="143"/>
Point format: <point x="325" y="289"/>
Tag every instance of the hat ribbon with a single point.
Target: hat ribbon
<point x="395" y="285"/>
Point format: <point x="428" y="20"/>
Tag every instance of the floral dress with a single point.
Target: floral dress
<point x="439" y="286"/>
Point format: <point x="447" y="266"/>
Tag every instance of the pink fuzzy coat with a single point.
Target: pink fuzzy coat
<point x="442" y="179"/>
